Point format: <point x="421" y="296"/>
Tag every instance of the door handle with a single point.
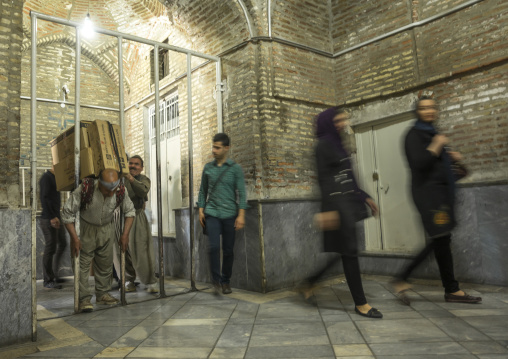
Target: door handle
<point x="375" y="176"/>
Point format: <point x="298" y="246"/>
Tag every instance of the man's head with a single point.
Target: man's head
<point x="108" y="182"/>
<point x="220" y="147"/>
<point x="135" y="165"/>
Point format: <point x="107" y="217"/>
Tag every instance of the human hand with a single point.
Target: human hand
<point x="456" y="156"/>
<point x="55" y="222"/>
<point x="373" y="206"/>
<point x="124" y="242"/>
<point x="75" y="246"/>
<point x="239" y="222"/>
<point x="202" y="219"/>
<point x="440" y="140"/>
<point x="129" y="177"/>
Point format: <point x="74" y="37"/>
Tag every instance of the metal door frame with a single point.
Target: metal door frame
<point x="33" y="118"/>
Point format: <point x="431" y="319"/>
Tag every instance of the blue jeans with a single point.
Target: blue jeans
<point x="215" y="227"/>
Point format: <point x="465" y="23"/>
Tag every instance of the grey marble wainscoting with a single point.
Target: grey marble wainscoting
<point x="64" y="267"/>
<point x="293" y="247"/>
<point x="247" y="268"/>
<point x="288" y="249"/>
<point x="15" y="276"/>
<point x="479" y="244"/>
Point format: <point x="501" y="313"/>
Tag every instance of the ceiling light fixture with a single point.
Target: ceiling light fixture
<point x="88" y="29"/>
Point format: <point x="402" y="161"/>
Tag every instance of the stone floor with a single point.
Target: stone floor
<point x="276" y="325"/>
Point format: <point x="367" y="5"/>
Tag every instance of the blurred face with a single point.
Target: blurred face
<point x="427" y="110"/>
<point x="135" y="167"/>
<point x="219" y="151"/>
<point x="340" y="122"/>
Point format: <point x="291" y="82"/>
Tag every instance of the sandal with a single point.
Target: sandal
<point x="372" y="313"/>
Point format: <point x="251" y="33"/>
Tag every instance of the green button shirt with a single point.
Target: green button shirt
<point x="222" y="201"/>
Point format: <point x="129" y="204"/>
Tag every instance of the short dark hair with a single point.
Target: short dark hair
<point x="139" y="158"/>
<point x="221" y="137"/>
<point x="420" y="99"/>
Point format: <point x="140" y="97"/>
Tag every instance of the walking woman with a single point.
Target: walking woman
<point x="433" y="190"/>
<point x="343" y="204"/>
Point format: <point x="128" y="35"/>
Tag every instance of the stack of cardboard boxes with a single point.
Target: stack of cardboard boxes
<point x="101" y="146"/>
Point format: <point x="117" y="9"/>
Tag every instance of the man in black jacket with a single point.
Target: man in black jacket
<point x="54" y="233"/>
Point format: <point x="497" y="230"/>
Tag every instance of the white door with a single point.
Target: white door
<point x="384" y="174"/>
<point x="171" y="188"/>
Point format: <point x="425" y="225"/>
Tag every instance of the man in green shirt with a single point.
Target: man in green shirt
<point x="222" y="204"/>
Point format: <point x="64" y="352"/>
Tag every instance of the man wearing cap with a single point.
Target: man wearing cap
<point x="96" y="201"/>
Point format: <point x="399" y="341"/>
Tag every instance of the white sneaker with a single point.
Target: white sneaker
<point x="152" y="288"/>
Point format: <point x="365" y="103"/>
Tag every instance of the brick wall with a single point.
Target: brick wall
<point x="56" y="68"/>
<point x="10" y="80"/>
<point x="274" y="90"/>
<point x="461" y="58"/>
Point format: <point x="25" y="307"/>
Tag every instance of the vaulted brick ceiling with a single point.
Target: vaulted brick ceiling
<point x="151" y="19"/>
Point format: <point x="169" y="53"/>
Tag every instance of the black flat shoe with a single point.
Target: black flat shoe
<point x="372" y="313"/>
<point x="466" y="298"/>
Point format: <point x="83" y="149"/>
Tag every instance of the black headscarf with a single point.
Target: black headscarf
<point x="325" y="129"/>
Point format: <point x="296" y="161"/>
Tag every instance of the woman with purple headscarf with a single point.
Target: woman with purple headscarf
<point x="343" y="204"/>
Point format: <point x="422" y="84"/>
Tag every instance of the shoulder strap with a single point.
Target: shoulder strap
<point x="120" y="194"/>
<point x="210" y="191"/>
<point x="87" y="188"/>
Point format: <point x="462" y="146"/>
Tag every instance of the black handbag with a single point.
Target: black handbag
<point x="459" y="171"/>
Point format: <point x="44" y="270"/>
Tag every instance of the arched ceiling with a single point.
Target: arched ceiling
<point x="151" y="19"/>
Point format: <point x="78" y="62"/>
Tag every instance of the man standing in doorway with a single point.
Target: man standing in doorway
<point x="54" y="233"/>
<point x="219" y="212"/>
<point x="96" y="201"/>
<point x="139" y="258"/>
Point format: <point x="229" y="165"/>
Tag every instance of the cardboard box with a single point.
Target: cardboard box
<point x="63" y="145"/>
<point x="121" y="149"/>
<point x="106" y="141"/>
<point x="64" y="170"/>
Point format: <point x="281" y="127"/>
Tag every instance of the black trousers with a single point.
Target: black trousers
<point x="55" y="244"/>
<point x="351" y="271"/>
<point x="443" y="254"/>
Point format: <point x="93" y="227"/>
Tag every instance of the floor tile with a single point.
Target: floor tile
<point x="228" y="353"/>
<point x="352" y="350"/>
<point x="496" y="327"/>
<point x="405" y="350"/>
<point x="289" y="334"/>
<point x="170" y="352"/>
<point x="235" y="336"/>
<point x="485" y="347"/>
<point x="290" y="351"/>
<point x="187" y="335"/>
<point x="400" y="330"/>
<point x="344" y="333"/>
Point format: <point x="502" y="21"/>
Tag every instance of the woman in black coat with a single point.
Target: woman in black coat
<point x="343" y="204"/>
<point x="433" y="190"/>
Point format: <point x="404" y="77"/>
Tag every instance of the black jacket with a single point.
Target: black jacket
<point x="50" y="197"/>
<point x="432" y="192"/>
<point x="339" y="192"/>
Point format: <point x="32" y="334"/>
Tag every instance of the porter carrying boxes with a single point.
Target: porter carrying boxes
<point x="101" y="147"/>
